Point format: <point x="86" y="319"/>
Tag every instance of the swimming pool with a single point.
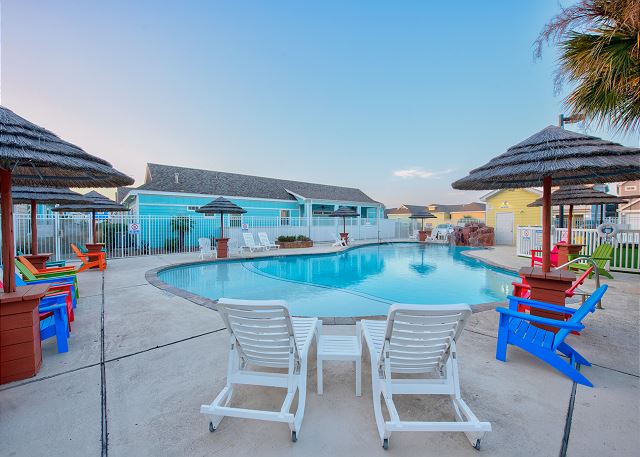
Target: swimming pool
<point x="362" y="281"/>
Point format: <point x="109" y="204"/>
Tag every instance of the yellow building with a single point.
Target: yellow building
<point x="507" y="209"/>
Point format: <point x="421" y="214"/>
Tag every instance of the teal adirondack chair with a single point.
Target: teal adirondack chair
<point x="601" y="255"/>
<point x="516" y="328"/>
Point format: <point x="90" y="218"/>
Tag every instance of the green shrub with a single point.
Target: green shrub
<point x="290" y="239"/>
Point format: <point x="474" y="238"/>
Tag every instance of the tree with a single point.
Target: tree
<point x="182" y="225"/>
<point x="599" y="44"/>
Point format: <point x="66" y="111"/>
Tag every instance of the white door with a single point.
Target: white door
<point x="504" y="228"/>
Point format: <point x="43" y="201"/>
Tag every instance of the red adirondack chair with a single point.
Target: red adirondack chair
<point x="537" y="260"/>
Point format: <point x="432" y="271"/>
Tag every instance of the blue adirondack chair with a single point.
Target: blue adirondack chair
<point x="54" y="321"/>
<point x="516" y="328"/>
<point x="53" y="281"/>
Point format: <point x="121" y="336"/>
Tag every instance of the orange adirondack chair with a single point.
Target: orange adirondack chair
<point x="36" y="271"/>
<point x="90" y="259"/>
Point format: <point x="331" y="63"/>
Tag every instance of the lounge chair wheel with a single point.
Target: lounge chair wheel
<point x="477" y="445"/>
<point x="211" y="427"/>
<point x="294" y="437"/>
<point x="385" y="444"/>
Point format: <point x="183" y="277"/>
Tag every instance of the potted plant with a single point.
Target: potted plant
<point x="289" y="242"/>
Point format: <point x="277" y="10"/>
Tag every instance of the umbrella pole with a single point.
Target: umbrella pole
<point x="94" y="232"/>
<point x="569" y="228"/>
<point x="34" y="228"/>
<point x="8" y="243"/>
<point x="344" y="225"/>
<point x="546" y="224"/>
<point x="221" y="225"/>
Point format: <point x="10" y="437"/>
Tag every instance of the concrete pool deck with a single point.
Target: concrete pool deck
<point x="142" y="361"/>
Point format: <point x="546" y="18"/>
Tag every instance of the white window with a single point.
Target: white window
<point x="285" y="217"/>
<point x="630" y="188"/>
<point x="192" y="208"/>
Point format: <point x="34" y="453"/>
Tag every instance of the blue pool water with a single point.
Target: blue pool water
<point x="359" y="282"/>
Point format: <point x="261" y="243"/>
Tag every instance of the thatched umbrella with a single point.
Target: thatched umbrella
<point x="344" y="212"/>
<point x="559" y="156"/>
<point x="422" y="215"/>
<point x="46" y="195"/>
<point x="33" y="156"/>
<point x="221" y="206"/>
<point x="96" y="203"/>
<point x="578" y="195"/>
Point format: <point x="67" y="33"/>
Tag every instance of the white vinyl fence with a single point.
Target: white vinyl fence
<point x="626" y="255"/>
<point x="129" y="235"/>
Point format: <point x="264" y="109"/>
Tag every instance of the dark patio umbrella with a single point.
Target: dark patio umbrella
<point x="578" y="195"/>
<point x="422" y="215"/>
<point x="96" y="203"/>
<point x="559" y="156"/>
<point x="221" y="206"/>
<point x="33" y="156"/>
<point x="47" y="195"/>
<point x="344" y="212"/>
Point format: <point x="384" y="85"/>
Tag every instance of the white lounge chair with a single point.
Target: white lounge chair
<point x="264" y="335"/>
<point x="339" y="242"/>
<point x="413" y="235"/>
<point x="264" y="241"/>
<point x="205" y="248"/>
<point x="250" y="243"/>
<point x="419" y="340"/>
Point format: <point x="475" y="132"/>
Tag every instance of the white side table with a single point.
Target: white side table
<point x="337" y="347"/>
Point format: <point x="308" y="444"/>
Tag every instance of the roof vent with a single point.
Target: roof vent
<point x="176" y="175"/>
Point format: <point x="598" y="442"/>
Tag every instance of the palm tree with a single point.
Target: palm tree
<point x="182" y="225"/>
<point x="600" y="54"/>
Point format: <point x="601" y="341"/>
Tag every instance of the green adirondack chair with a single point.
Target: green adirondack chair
<point x="601" y="255"/>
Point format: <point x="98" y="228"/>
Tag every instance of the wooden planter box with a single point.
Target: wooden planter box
<point x="294" y="244"/>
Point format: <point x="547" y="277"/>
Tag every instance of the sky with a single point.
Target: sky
<point x="396" y="98"/>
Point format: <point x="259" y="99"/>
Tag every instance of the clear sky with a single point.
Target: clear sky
<point x="396" y="98"/>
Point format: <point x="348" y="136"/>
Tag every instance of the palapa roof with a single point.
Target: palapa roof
<point x="221" y="206"/>
<point x="47" y="195"/>
<point x="97" y="202"/>
<point x="568" y="157"/>
<point x="423" y="214"/>
<point x="579" y="195"/>
<point x="344" y="211"/>
<point x="37" y="157"/>
<point x="166" y="178"/>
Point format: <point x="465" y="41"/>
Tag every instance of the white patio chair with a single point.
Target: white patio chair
<point x="264" y="241"/>
<point x="413" y="235"/>
<point x="419" y="340"/>
<point x="250" y="243"/>
<point x="205" y="248"/>
<point x="264" y="335"/>
<point x="339" y="242"/>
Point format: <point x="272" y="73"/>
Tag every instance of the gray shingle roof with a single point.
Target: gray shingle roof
<point x="191" y="180"/>
<point x="458" y="208"/>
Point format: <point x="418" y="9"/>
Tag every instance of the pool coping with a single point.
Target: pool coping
<point x="152" y="278"/>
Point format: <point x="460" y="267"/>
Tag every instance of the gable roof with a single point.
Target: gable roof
<point x="168" y="178"/>
<point x="416" y="209"/>
<point x="533" y="190"/>
<point x="457" y="208"/>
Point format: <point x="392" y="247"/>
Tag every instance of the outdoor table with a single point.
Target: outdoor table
<point x="94" y="247"/>
<point x="39" y="260"/>
<point x="567" y="251"/>
<point x="20" y="350"/>
<point x="339" y="347"/>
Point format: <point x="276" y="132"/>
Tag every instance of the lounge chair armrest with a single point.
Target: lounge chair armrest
<point x="46" y="309"/>
<point x="535" y="250"/>
<point x="539" y="320"/>
<point x="538" y="304"/>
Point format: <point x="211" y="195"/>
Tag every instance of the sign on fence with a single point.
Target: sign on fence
<point x="134" y="229"/>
